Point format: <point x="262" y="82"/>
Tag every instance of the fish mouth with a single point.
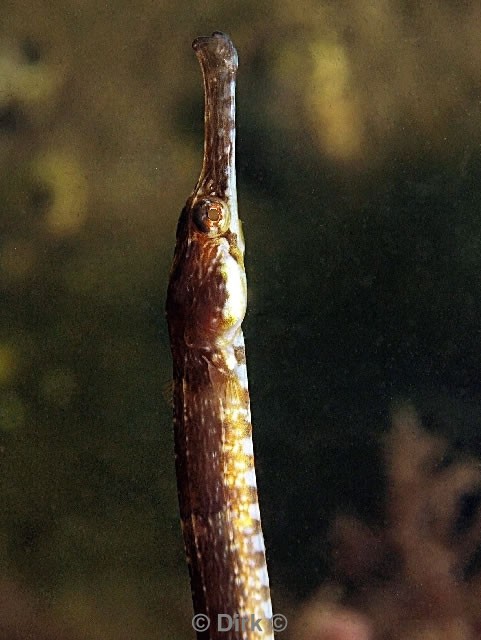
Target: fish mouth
<point x="217" y="36"/>
<point x="218" y="60"/>
<point x="218" y="46"/>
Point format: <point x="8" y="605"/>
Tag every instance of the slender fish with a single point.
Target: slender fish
<point x="206" y="304"/>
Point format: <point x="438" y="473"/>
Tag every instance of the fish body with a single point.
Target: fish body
<point x="206" y="304"/>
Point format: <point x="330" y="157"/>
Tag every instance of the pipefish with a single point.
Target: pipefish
<point x="206" y="304"/>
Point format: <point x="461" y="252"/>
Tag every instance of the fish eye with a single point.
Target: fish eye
<point x="210" y="216"/>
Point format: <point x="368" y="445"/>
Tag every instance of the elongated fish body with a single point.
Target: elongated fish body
<point x="206" y="304"/>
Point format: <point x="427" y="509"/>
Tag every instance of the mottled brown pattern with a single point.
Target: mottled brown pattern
<point x="219" y="66"/>
<point x="206" y="304"/>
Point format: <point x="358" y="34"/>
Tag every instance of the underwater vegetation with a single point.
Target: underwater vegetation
<point x="417" y="575"/>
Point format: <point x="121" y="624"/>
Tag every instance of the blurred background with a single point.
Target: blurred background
<point x="359" y="158"/>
